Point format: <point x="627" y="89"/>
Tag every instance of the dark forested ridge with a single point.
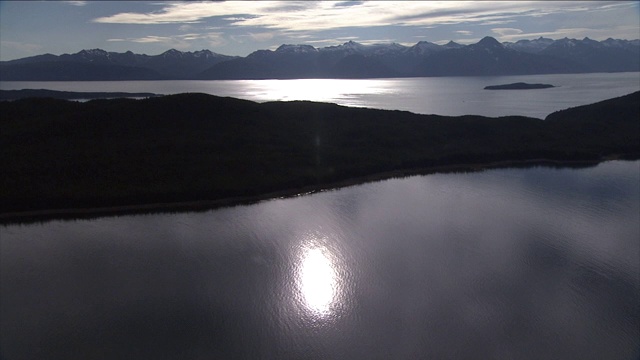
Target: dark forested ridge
<point x="68" y="95"/>
<point x="60" y="154"/>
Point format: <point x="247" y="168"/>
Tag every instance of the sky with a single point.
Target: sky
<point x="30" y="28"/>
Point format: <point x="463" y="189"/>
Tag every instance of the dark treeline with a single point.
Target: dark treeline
<point x="59" y="154"/>
<point x="68" y="95"/>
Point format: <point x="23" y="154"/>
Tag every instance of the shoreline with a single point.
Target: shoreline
<point x="21" y="217"/>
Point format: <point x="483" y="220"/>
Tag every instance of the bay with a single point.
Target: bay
<point x="452" y="96"/>
<point x="533" y="263"/>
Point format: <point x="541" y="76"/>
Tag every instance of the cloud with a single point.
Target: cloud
<point x="146" y="39"/>
<point x="624" y="32"/>
<point x="186" y="27"/>
<point x="265" y="21"/>
<point x="261" y="36"/>
<point x="76" y="3"/>
<point x="498" y="22"/>
<point x="182" y="41"/>
<point x="348" y="3"/>
<point x="506" y="31"/>
<point x="24" y="47"/>
<point x="324" y="15"/>
<point x="464" y="41"/>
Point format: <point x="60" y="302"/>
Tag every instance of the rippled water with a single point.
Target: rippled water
<point x="535" y="263"/>
<point x="442" y="95"/>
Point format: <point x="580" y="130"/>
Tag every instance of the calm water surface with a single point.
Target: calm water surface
<point x="441" y="95"/>
<point x="535" y="263"/>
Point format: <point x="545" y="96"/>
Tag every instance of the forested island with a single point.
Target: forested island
<point x="200" y="151"/>
<point x="518" y="86"/>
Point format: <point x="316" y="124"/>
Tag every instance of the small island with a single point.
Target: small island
<point x="518" y="86"/>
<point x="198" y="151"/>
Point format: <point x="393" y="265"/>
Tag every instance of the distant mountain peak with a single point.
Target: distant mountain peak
<point x="423" y="42"/>
<point x="489" y="41"/>
<point x="92" y="55"/>
<point x="297" y="49"/>
<point x="452" y="45"/>
<point x="425" y="47"/>
<point x="352" y="44"/>
<point x="92" y="52"/>
<point x="172" y="53"/>
<point x="615" y="42"/>
<point x="204" y="53"/>
<point x="586" y="40"/>
<point x="530" y="46"/>
<point x="395" y="45"/>
<point x="386" y="48"/>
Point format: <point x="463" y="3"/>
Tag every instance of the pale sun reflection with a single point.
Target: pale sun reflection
<point x="323" y="283"/>
<point x="317" y="281"/>
<point x="343" y="91"/>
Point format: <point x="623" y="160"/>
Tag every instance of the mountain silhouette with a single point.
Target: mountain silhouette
<point x="349" y="60"/>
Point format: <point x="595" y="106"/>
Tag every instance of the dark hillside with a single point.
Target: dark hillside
<point x="189" y="147"/>
<point x="67" y="95"/>
<point x="610" y="125"/>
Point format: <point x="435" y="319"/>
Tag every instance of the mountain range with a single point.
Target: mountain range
<point x="349" y="60"/>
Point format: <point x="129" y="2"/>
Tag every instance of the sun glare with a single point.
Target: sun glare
<point x="322" y="90"/>
<point x="317" y="281"/>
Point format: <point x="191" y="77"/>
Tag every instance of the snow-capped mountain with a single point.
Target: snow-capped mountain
<point x="594" y="56"/>
<point x="490" y="57"/>
<point x="98" y="64"/>
<point x="530" y="46"/>
<point x="425" y="48"/>
<point x="296" y="49"/>
<point x="350" y="59"/>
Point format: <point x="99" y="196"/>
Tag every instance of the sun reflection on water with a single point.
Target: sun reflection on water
<point x="343" y="91"/>
<point x="318" y="281"/>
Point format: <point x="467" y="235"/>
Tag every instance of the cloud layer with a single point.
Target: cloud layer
<point x="323" y="15"/>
